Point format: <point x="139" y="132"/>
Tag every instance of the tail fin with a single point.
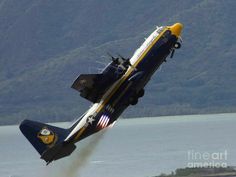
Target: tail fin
<point x="48" y="140"/>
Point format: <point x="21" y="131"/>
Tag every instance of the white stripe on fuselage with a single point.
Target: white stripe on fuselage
<point x="92" y="111"/>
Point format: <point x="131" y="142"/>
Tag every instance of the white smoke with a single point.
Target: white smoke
<point x="74" y="165"/>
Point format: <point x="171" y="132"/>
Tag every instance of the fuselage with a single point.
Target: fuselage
<point x="126" y="90"/>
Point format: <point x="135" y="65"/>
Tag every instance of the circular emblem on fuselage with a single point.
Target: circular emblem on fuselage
<point x="46" y="136"/>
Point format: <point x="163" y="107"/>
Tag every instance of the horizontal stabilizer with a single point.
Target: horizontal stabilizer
<point x="57" y="152"/>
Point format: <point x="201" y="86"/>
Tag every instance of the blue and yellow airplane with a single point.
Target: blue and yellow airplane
<point x="119" y="85"/>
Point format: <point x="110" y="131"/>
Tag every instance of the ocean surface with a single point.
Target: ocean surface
<point x="142" y="147"/>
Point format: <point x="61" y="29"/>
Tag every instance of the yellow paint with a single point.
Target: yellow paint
<point x="176" y="29"/>
<point x="47" y="138"/>
<point x="80" y="133"/>
<point x="131" y="69"/>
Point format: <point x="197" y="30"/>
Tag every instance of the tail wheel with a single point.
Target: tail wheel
<point x="177" y="45"/>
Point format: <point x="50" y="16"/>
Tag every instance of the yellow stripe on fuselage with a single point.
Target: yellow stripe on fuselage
<point x="123" y="79"/>
<point x="130" y="70"/>
<point x="79" y="133"/>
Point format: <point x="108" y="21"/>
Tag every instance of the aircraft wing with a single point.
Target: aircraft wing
<point x="91" y="86"/>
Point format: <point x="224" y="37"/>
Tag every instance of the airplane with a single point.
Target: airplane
<point x="119" y="85"/>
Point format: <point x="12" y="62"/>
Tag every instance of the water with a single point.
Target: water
<point x="132" y="148"/>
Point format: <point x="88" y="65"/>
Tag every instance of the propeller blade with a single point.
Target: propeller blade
<point x="123" y="58"/>
<point x="109" y="55"/>
<point x="180" y="39"/>
<point x="113" y="58"/>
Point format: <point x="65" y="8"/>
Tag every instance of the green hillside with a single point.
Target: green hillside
<point x="44" y="45"/>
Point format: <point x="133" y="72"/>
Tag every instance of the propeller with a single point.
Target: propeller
<point x="123" y="58"/>
<point x="116" y="60"/>
<point x="126" y="61"/>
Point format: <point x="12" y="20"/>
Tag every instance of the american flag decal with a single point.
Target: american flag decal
<point x="103" y="122"/>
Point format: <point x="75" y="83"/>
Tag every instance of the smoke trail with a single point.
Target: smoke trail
<point x="84" y="154"/>
<point x="73" y="166"/>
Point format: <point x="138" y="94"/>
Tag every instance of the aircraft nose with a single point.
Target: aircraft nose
<point x="176" y="29"/>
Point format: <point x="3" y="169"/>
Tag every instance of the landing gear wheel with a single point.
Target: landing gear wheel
<point x="177" y="45"/>
<point x="141" y="93"/>
<point x="134" y="101"/>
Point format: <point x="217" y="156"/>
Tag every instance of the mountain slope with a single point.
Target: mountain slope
<point x="44" y="45"/>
